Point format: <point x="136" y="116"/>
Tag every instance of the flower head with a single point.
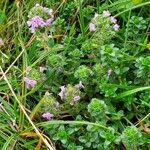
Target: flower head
<point x="47" y="115"/>
<point x="39" y="21"/>
<point x="92" y="27"/>
<point x="30" y="83"/>
<point x="116" y="27"/>
<point x="113" y="20"/>
<point x="106" y="13"/>
<point x="76" y="98"/>
<point x="35" y="22"/>
<point x="62" y="88"/>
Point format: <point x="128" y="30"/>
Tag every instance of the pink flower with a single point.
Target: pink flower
<point x="80" y="85"/>
<point x="92" y="27"/>
<point x="1" y="42"/>
<point x="62" y="92"/>
<point x="35" y="22"/>
<point x="47" y="115"/>
<point x="42" y="69"/>
<point x="106" y="13"/>
<point x="116" y="27"/>
<point x="113" y="20"/>
<point x="76" y="98"/>
<point x="62" y="88"/>
<point x="30" y="83"/>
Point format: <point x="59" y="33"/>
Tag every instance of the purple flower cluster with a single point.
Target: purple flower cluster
<point x="113" y="20"/>
<point x="106" y="13"/>
<point x="47" y="115"/>
<point x="75" y="96"/>
<point x="116" y="27"/>
<point x="37" y="21"/>
<point x="92" y="27"/>
<point x="30" y="83"/>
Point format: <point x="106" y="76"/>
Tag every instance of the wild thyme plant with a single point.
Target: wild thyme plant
<point x="76" y="72"/>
